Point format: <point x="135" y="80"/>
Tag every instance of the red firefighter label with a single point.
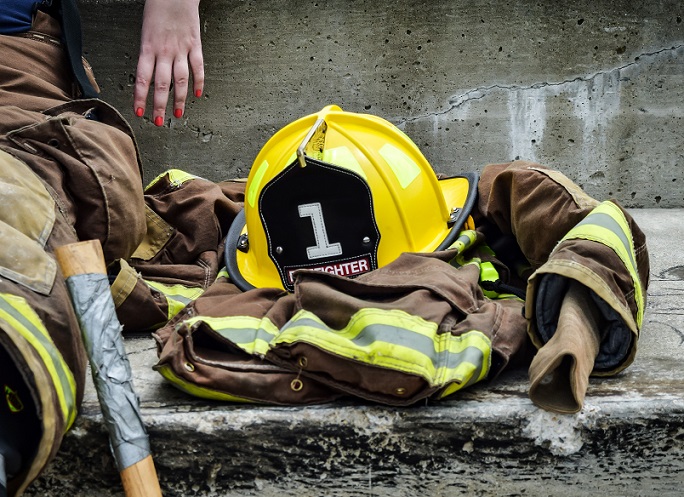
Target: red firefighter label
<point x="349" y="268"/>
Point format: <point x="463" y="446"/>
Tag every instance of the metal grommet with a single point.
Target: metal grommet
<point x="296" y="385"/>
<point x="189" y="366"/>
<point x="453" y="215"/>
<point x="243" y="243"/>
<point x="302" y="362"/>
<point x="400" y="391"/>
<point x="53" y="142"/>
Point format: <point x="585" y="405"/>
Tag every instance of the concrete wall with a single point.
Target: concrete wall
<point x="594" y="88"/>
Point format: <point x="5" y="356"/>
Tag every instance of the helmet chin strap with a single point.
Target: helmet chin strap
<point x="230" y="255"/>
<point x="461" y="216"/>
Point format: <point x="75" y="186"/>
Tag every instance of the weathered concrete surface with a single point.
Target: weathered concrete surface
<point x="591" y="87"/>
<point x="489" y="440"/>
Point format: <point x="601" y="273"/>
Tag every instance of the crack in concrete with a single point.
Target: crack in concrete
<point x="482" y="92"/>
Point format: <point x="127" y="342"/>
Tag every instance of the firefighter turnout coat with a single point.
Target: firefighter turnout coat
<point x="423" y="326"/>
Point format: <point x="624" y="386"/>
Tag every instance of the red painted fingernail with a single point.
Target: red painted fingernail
<point x="158" y="121"/>
<point x="198" y="93"/>
<point x="178" y="113"/>
<point x="139" y="111"/>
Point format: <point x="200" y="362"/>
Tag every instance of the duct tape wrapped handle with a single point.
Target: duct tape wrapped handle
<point x="84" y="269"/>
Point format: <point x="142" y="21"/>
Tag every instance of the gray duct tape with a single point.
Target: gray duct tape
<point x="92" y="301"/>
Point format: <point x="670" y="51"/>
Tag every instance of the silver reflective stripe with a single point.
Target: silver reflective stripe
<point x="418" y="342"/>
<point x="244" y="336"/>
<point x="607" y="222"/>
<point x="389" y="345"/>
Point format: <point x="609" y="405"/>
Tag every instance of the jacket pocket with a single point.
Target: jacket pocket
<point x="26" y="220"/>
<point x="94" y="146"/>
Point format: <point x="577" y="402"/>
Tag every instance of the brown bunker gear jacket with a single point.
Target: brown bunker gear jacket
<point x="421" y="327"/>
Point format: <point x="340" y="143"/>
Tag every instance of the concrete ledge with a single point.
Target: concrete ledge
<point x="489" y="440"/>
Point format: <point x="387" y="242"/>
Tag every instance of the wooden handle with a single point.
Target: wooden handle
<point x="140" y="479"/>
<point x="81" y="258"/>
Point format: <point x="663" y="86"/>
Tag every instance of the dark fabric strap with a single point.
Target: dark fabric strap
<point x="70" y="20"/>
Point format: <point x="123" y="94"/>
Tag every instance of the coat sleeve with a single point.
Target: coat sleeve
<point x="566" y="235"/>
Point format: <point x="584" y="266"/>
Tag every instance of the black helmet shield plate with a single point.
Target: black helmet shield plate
<point x="319" y="217"/>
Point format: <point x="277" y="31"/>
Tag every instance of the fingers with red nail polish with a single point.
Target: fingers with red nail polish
<point x="170" y="57"/>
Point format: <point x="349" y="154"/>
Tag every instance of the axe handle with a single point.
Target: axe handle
<point x="81" y="258"/>
<point x="139" y="479"/>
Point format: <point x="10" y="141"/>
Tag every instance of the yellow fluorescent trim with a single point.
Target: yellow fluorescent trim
<point x="253" y="335"/>
<point x="404" y="168"/>
<point x="177" y="291"/>
<point x="177" y="296"/>
<point x="176" y="177"/>
<point x="13" y="400"/>
<point x="173" y="308"/>
<point x="597" y="227"/>
<point x="395" y="340"/>
<point x="343" y="157"/>
<point x="465" y="240"/>
<point x="464" y="370"/>
<point x="609" y="239"/>
<point x="17" y="313"/>
<point x="193" y="389"/>
<point x="391" y="339"/>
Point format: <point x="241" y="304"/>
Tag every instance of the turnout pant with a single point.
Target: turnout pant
<point x="69" y="171"/>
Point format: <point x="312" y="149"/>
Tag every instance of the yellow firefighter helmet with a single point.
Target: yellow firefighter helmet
<point x="344" y="193"/>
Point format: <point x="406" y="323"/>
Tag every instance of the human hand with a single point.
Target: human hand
<point x="170" y="47"/>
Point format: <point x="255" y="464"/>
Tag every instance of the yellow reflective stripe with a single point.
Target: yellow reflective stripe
<point x="181" y="293"/>
<point x="176" y="178"/>
<point x="456" y="386"/>
<point x="396" y="340"/>
<point x="343" y="157"/>
<point x="460" y="261"/>
<point x="20" y="316"/>
<point x="606" y="224"/>
<point x="404" y="168"/>
<point x="195" y="390"/>
<point x="250" y="334"/>
<point x="465" y="240"/>
<point x="488" y="271"/>
<point x="177" y="296"/>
